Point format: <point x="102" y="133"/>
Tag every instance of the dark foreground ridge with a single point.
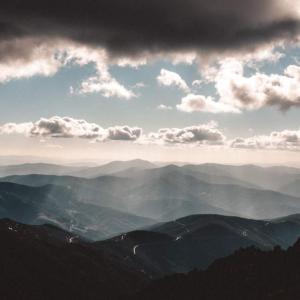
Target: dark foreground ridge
<point x="44" y="262"/>
<point x="247" y="274"/>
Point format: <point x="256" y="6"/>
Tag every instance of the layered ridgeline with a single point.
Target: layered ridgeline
<point x="273" y="178"/>
<point x="171" y="192"/>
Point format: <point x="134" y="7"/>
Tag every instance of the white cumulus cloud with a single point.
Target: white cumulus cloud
<point x="258" y="90"/>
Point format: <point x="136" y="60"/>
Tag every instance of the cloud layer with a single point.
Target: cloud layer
<point x="277" y="140"/>
<point x="66" y="127"/>
<point x="208" y="134"/>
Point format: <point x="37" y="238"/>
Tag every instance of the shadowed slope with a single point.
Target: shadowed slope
<point x="196" y="241"/>
<point x="61" y="206"/>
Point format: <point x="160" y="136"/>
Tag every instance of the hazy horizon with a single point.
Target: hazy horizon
<point x="19" y="160"/>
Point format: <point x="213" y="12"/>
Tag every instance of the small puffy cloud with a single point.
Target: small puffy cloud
<point x="201" y="103"/>
<point x="139" y="85"/>
<point x="66" y="127"/>
<point x="135" y="62"/>
<point x="197" y="83"/>
<point x="164" y="107"/>
<point x="277" y="140"/>
<point x="108" y="87"/>
<point x="123" y="133"/>
<point x="204" y="134"/>
<point x="168" y="78"/>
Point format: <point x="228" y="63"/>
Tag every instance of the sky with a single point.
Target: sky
<point x="186" y="81"/>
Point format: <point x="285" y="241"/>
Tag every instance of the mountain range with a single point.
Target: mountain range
<point x="171" y="192"/>
<point x="147" y="221"/>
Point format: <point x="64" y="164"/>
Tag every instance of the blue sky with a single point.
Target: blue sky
<point x="24" y="100"/>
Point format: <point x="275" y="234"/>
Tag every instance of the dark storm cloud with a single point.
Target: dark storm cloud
<point x="130" y="26"/>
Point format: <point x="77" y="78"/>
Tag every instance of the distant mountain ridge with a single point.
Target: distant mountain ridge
<point x="245" y="175"/>
<point x="36" y="168"/>
<point x="206" y="177"/>
<point x="114" y="167"/>
<point x="265" y="177"/>
<point x="89" y="172"/>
